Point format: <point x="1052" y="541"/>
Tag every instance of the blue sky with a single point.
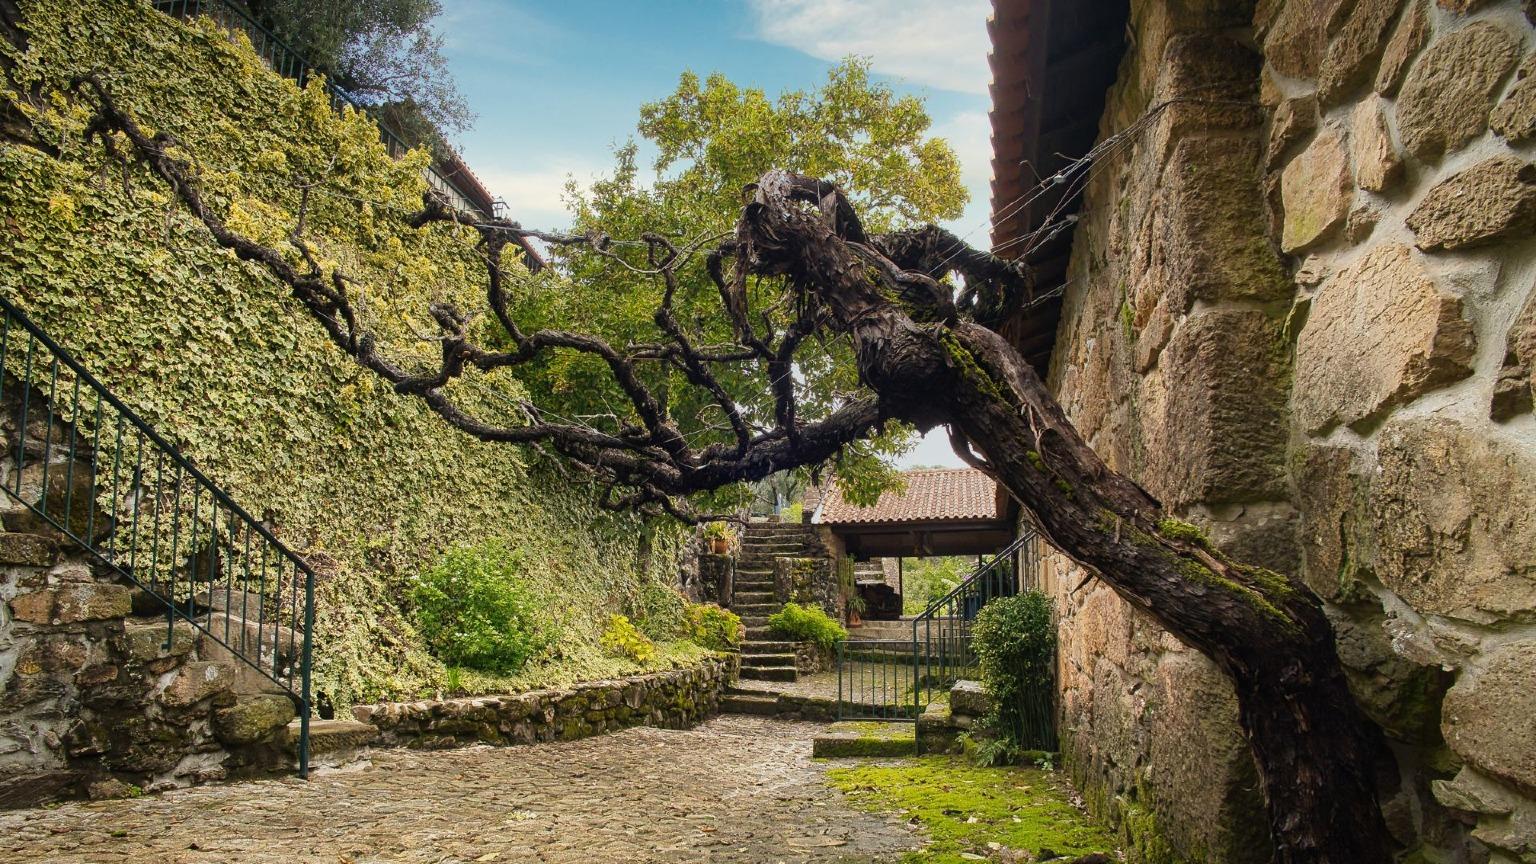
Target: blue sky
<point x="557" y="84"/>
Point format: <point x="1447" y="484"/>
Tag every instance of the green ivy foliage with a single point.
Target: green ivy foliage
<point x="474" y="609"/>
<point x="227" y="366"/>
<point x="807" y="624"/>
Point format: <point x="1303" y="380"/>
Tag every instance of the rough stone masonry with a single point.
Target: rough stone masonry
<point x="1302" y="312"/>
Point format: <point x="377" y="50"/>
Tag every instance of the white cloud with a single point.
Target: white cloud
<point x="534" y="196"/>
<point x="970" y="134"/>
<point x="941" y="43"/>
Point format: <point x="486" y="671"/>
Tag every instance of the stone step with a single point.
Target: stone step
<point x="749" y="597"/>
<point x="769" y="673"/>
<point x="754" y="622"/>
<point x="754" y="567"/>
<point x="332" y="743"/>
<point x="742" y="703"/>
<point x="767" y="647"/>
<point x="848" y="739"/>
<point x="765" y="660"/>
<point x="758" y="632"/>
<point x="746" y="610"/>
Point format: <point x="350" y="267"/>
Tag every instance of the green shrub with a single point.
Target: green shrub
<point x="807" y="624"/>
<point x="792" y="513"/>
<point x="1015" y="641"/>
<point x="474" y="610"/>
<point x="711" y="627"/>
<point x="621" y="638"/>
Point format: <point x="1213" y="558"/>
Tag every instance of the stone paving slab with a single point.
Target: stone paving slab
<point x="737" y="789"/>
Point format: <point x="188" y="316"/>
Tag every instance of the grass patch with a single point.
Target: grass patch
<point x="965" y="810"/>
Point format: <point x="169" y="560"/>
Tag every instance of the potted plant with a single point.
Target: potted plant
<point x="856" y="609"/>
<point x="719" y="537"/>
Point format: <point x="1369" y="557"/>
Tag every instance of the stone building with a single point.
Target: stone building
<point x="1298" y="304"/>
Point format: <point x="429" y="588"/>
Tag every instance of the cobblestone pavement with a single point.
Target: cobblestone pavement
<point x="736" y="789"/>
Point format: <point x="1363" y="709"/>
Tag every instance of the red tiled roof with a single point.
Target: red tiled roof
<point x="958" y="494"/>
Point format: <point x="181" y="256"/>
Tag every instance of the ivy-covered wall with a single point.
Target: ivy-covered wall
<point x="225" y="364"/>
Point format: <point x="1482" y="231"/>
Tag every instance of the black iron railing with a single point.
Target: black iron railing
<point x="896" y="679"/>
<point x="285" y="60"/>
<point x="941" y="633"/>
<point x="90" y="469"/>
<point x="875" y="680"/>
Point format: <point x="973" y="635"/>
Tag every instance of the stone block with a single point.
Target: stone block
<point x="70" y="500"/>
<point x="1449" y="90"/>
<point x="1490" y="714"/>
<point x="1354" y="48"/>
<point x="1407" y="41"/>
<point x="1440" y="544"/>
<point x="1315" y="192"/>
<point x="969" y="698"/>
<point x="1400" y="696"/>
<point x="70" y="604"/>
<point x="1331" y="486"/>
<point x="1209" y="234"/>
<point x="27" y="550"/>
<point x="1293" y="121"/>
<point x="1515" y="389"/>
<point x="195" y="682"/>
<point x="1295" y="42"/>
<point x="1214" y="411"/>
<point x="252" y="719"/>
<point x="1380" y="333"/>
<point x="1491" y="200"/>
<point x="1204" y="783"/>
<point x="1377" y="165"/>
<point x="1515" y="118"/>
<point x="146" y="642"/>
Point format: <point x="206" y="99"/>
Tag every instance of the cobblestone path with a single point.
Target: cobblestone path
<point x="736" y="789"/>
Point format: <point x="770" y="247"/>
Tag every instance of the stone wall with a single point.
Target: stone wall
<point x="99" y="696"/>
<point x="671" y="700"/>
<point x="1301" y="313"/>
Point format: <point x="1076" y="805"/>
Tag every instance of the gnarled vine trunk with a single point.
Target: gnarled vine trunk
<point x="1310" y="740"/>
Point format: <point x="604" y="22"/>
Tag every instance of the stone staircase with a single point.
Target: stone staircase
<point x="764" y="658"/>
<point x="102" y="695"/>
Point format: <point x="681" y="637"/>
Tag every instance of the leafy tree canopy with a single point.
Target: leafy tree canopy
<point x="712" y="138"/>
<point x="381" y="52"/>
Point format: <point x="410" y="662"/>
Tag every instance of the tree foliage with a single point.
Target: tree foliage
<point x="381" y="52"/>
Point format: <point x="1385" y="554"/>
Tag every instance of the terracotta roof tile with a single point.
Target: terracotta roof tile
<point x="931" y="494"/>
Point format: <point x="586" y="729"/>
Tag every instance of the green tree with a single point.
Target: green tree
<point x="713" y="138"/>
<point x="381" y="52"/>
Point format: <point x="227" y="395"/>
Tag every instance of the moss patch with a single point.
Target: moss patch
<point x="965" y="809"/>
<point x="854" y="739"/>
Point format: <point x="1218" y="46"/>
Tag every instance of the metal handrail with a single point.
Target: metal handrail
<point x="289" y="62"/>
<point x="142" y="499"/>
<point x="941" y="633"/>
<point x="981" y="570"/>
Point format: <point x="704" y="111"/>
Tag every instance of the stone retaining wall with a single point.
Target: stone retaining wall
<point x="675" y="699"/>
<point x="1301" y="314"/>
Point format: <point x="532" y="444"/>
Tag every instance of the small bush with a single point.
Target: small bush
<point x="711" y="627"/>
<point x="474" y="610"/>
<point x="792" y="513"/>
<point x="621" y="638"/>
<point x="807" y="624"/>
<point x="1015" y="640"/>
